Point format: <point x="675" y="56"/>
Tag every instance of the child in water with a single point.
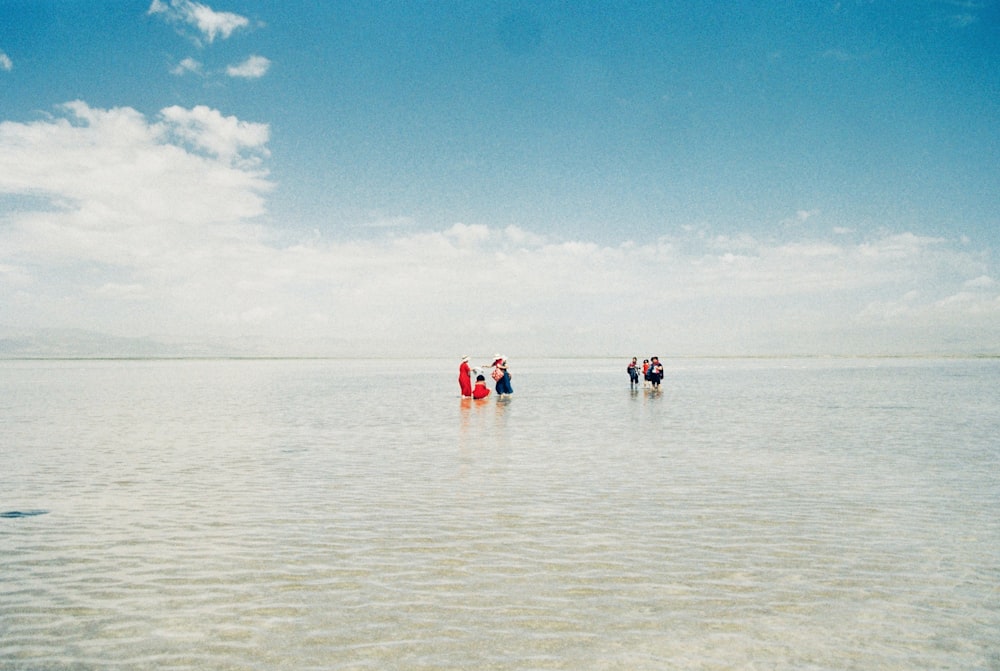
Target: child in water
<point x="480" y="390"/>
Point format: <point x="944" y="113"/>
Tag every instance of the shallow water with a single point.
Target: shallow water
<point x="774" y="514"/>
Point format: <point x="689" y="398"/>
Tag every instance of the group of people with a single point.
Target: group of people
<point x="651" y="371"/>
<point x="479" y="389"/>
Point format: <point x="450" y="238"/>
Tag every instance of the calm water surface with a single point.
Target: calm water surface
<point x="769" y="514"/>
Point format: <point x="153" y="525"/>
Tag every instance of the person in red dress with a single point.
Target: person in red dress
<point x="481" y="390"/>
<point x="465" y="378"/>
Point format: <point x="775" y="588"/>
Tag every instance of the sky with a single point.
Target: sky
<point x="400" y="179"/>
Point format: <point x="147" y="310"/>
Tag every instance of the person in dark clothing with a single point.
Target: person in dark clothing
<point x="655" y="372"/>
<point x="633" y="373"/>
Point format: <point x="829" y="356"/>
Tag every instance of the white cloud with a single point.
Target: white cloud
<point x="254" y="67"/>
<point x="801" y="217"/>
<point x="187" y="65"/>
<point x="148" y="229"/>
<point x="209" y="23"/>
<point x="223" y="137"/>
<point x="120" y="188"/>
<point x="5" y="63"/>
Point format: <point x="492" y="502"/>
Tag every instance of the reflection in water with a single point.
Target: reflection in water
<point x="11" y="514"/>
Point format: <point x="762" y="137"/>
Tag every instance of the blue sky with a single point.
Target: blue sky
<point x="428" y="178"/>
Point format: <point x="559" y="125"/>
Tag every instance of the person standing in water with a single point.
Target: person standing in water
<point x="633" y="373"/>
<point x="655" y="372"/>
<point x="501" y="376"/>
<point x="465" y="378"/>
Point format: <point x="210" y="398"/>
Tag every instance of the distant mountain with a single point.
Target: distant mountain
<point x="19" y="343"/>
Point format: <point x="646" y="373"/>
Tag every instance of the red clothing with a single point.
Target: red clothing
<point x="481" y="390"/>
<point x="464" y="381"/>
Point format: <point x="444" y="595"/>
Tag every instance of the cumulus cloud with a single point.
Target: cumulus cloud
<point x="5" y="63"/>
<point x="209" y="23"/>
<point x="254" y="67"/>
<point x="150" y="226"/>
<point x="117" y="187"/>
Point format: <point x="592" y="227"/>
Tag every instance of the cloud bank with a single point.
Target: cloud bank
<point x="153" y="227"/>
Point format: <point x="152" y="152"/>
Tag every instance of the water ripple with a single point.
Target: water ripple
<point x="303" y="515"/>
